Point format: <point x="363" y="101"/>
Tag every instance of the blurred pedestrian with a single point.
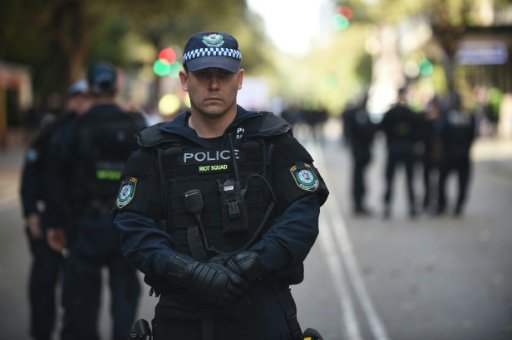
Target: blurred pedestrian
<point x="400" y="126"/>
<point x="458" y="132"/>
<point x="46" y="262"/>
<point x="314" y="118"/>
<point x="88" y="158"/>
<point x="219" y="208"/>
<point x="432" y="152"/>
<point x="291" y="113"/>
<point x="359" y="133"/>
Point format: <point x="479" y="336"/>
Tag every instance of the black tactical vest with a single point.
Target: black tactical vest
<point x="235" y="193"/>
<point x="104" y="140"/>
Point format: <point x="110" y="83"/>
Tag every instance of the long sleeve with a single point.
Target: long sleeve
<point x="288" y="241"/>
<point x="58" y="173"/>
<point x="29" y="187"/>
<point x="142" y="243"/>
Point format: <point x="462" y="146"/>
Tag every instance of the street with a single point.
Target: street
<point x="366" y="278"/>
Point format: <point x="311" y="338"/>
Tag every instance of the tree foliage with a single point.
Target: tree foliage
<point x="448" y="21"/>
<point x="57" y="39"/>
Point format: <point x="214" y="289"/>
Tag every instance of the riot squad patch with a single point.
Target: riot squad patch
<point x="305" y="177"/>
<point x="126" y="193"/>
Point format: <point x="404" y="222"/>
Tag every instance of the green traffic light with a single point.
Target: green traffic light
<point x="161" y="68"/>
<point x="426" y="67"/>
<point x="340" y="22"/>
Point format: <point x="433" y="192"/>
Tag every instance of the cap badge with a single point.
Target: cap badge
<point x="213" y="40"/>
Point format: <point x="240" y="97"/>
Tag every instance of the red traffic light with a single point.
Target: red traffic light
<point x="345" y="11"/>
<point x="167" y="55"/>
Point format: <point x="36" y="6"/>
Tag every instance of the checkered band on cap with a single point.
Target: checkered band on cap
<point x="212" y="52"/>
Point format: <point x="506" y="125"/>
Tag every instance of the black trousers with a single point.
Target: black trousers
<point x="44" y="274"/>
<point x="461" y="166"/>
<point x="360" y="159"/>
<point x="96" y="246"/>
<point x="259" y="316"/>
<point x="396" y="158"/>
<point x="431" y="174"/>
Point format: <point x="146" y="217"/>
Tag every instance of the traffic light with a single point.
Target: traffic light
<point x="345" y="11"/>
<point x="426" y="67"/>
<point x="161" y="68"/>
<point x="342" y="17"/>
<point x="167" y="55"/>
<point x="166" y="63"/>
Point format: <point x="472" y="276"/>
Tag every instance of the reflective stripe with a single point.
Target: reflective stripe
<point x="108" y="174"/>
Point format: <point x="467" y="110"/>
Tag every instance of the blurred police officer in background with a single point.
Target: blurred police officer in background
<point x="359" y="131"/>
<point x="432" y="152"/>
<point x="219" y="208"/>
<point x="400" y="126"/>
<point x="88" y="158"/>
<point x="46" y="262"/>
<point x="458" y="131"/>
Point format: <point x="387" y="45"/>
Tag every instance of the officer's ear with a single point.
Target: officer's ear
<point x="240" y="76"/>
<point x="183" y="79"/>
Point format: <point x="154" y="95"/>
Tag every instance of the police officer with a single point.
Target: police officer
<point x="359" y="132"/>
<point x="400" y="126"/>
<point x="219" y="208"/>
<point x="46" y="262"/>
<point x="432" y="152"/>
<point x="89" y="157"/>
<point x="458" y="132"/>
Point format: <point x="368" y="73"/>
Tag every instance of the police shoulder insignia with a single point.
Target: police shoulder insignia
<point x="305" y="177"/>
<point x="126" y="193"/>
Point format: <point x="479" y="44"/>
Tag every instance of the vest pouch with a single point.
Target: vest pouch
<point x="234" y="210"/>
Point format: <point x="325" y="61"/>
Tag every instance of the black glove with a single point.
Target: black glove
<point x="246" y="264"/>
<point x="210" y="281"/>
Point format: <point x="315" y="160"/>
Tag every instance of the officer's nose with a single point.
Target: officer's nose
<point x="213" y="83"/>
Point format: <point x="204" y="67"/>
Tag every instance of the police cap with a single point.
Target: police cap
<point x="102" y="78"/>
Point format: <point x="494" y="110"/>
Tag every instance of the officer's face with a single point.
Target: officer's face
<point x="79" y="103"/>
<point x="212" y="91"/>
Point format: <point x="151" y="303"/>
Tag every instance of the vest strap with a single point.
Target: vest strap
<point x="285" y="298"/>
<point x="195" y="245"/>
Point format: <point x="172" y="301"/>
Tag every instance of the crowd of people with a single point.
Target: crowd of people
<point x="437" y="140"/>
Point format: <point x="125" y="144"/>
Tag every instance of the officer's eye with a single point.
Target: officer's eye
<point x="210" y="73"/>
<point x="203" y="74"/>
<point x="223" y="74"/>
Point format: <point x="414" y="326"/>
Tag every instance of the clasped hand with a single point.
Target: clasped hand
<point x="222" y="281"/>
